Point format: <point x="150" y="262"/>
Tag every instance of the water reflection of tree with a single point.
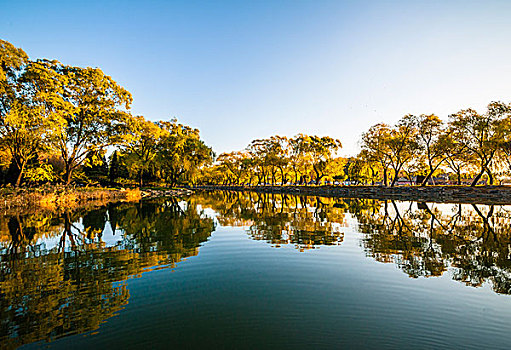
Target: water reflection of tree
<point x="306" y="222"/>
<point x="425" y="240"/>
<point x="47" y="292"/>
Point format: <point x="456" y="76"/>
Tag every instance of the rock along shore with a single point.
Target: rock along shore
<point x="152" y="193"/>
<point x="441" y="194"/>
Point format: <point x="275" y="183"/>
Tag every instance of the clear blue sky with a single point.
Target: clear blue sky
<point x="240" y="70"/>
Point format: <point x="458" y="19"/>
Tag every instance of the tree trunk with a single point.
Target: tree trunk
<point x="490" y="176"/>
<point x="477" y="178"/>
<point x="318" y="177"/>
<point x="396" y="177"/>
<point x="69" y="175"/>
<point x="282" y="178"/>
<point x="20" y="175"/>
<point x="426" y="179"/>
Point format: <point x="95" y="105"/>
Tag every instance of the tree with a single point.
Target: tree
<point x="278" y="157"/>
<point x="95" y="167"/>
<point x="140" y="145"/>
<point x="358" y="170"/>
<point x="376" y="148"/>
<point x="271" y="157"/>
<point x="235" y="164"/>
<point x="20" y="125"/>
<point x="483" y="135"/>
<point x="259" y="151"/>
<point x="297" y="158"/>
<point x="212" y="175"/>
<point x="431" y="143"/>
<point x="334" y="169"/>
<point x="117" y="169"/>
<point x="12" y="60"/>
<point x="181" y="152"/>
<point x="319" y="150"/>
<point x="371" y="167"/>
<point x="457" y="157"/>
<point x="22" y="134"/>
<point x="322" y="151"/>
<point x="91" y="106"/>
<point x="402" y="144"/>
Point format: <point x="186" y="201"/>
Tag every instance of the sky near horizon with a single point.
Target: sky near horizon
<point x="241" y="70"/>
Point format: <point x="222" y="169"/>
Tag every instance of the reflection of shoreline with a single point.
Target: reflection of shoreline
<point x="76" y="282"/>
<point x="440" y="194"/>
<point x="422" y="239"/>
<point x="425" y="240"/>
<point x="305" y="222"/>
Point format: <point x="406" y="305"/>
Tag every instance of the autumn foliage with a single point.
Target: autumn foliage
<point x="59" y="122"/>
<point x="65" y="124"/>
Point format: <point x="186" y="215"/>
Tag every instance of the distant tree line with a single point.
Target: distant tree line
<point x="278" y="160"/>
<point x="471" y="148"/>
<point x="58" y="123"/>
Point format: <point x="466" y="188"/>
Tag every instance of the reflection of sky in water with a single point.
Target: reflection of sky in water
<point x="110" y="238"/>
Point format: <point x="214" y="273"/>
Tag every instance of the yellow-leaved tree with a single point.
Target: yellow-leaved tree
<point x="89" y="109"/>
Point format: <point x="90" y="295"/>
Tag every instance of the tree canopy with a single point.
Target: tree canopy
<point x="61" y="123"/>
<point x="58" y="121"/>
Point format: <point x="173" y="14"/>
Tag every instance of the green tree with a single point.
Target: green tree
<point x="117" y="169"/>
<point x="181" y="152"/>
<point x="140" y="146"/>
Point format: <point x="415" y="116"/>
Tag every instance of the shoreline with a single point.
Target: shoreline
<point x="57" y="198"/>
<point x="63" y="198"/>
<point x="500" y="195"/>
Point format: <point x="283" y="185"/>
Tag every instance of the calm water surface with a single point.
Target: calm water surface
<point x="246" y="270"/>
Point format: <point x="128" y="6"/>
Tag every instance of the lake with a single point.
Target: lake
<point x="246" y="270"/>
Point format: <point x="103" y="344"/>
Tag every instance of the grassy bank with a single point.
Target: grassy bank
<point x="60" y="197"/>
